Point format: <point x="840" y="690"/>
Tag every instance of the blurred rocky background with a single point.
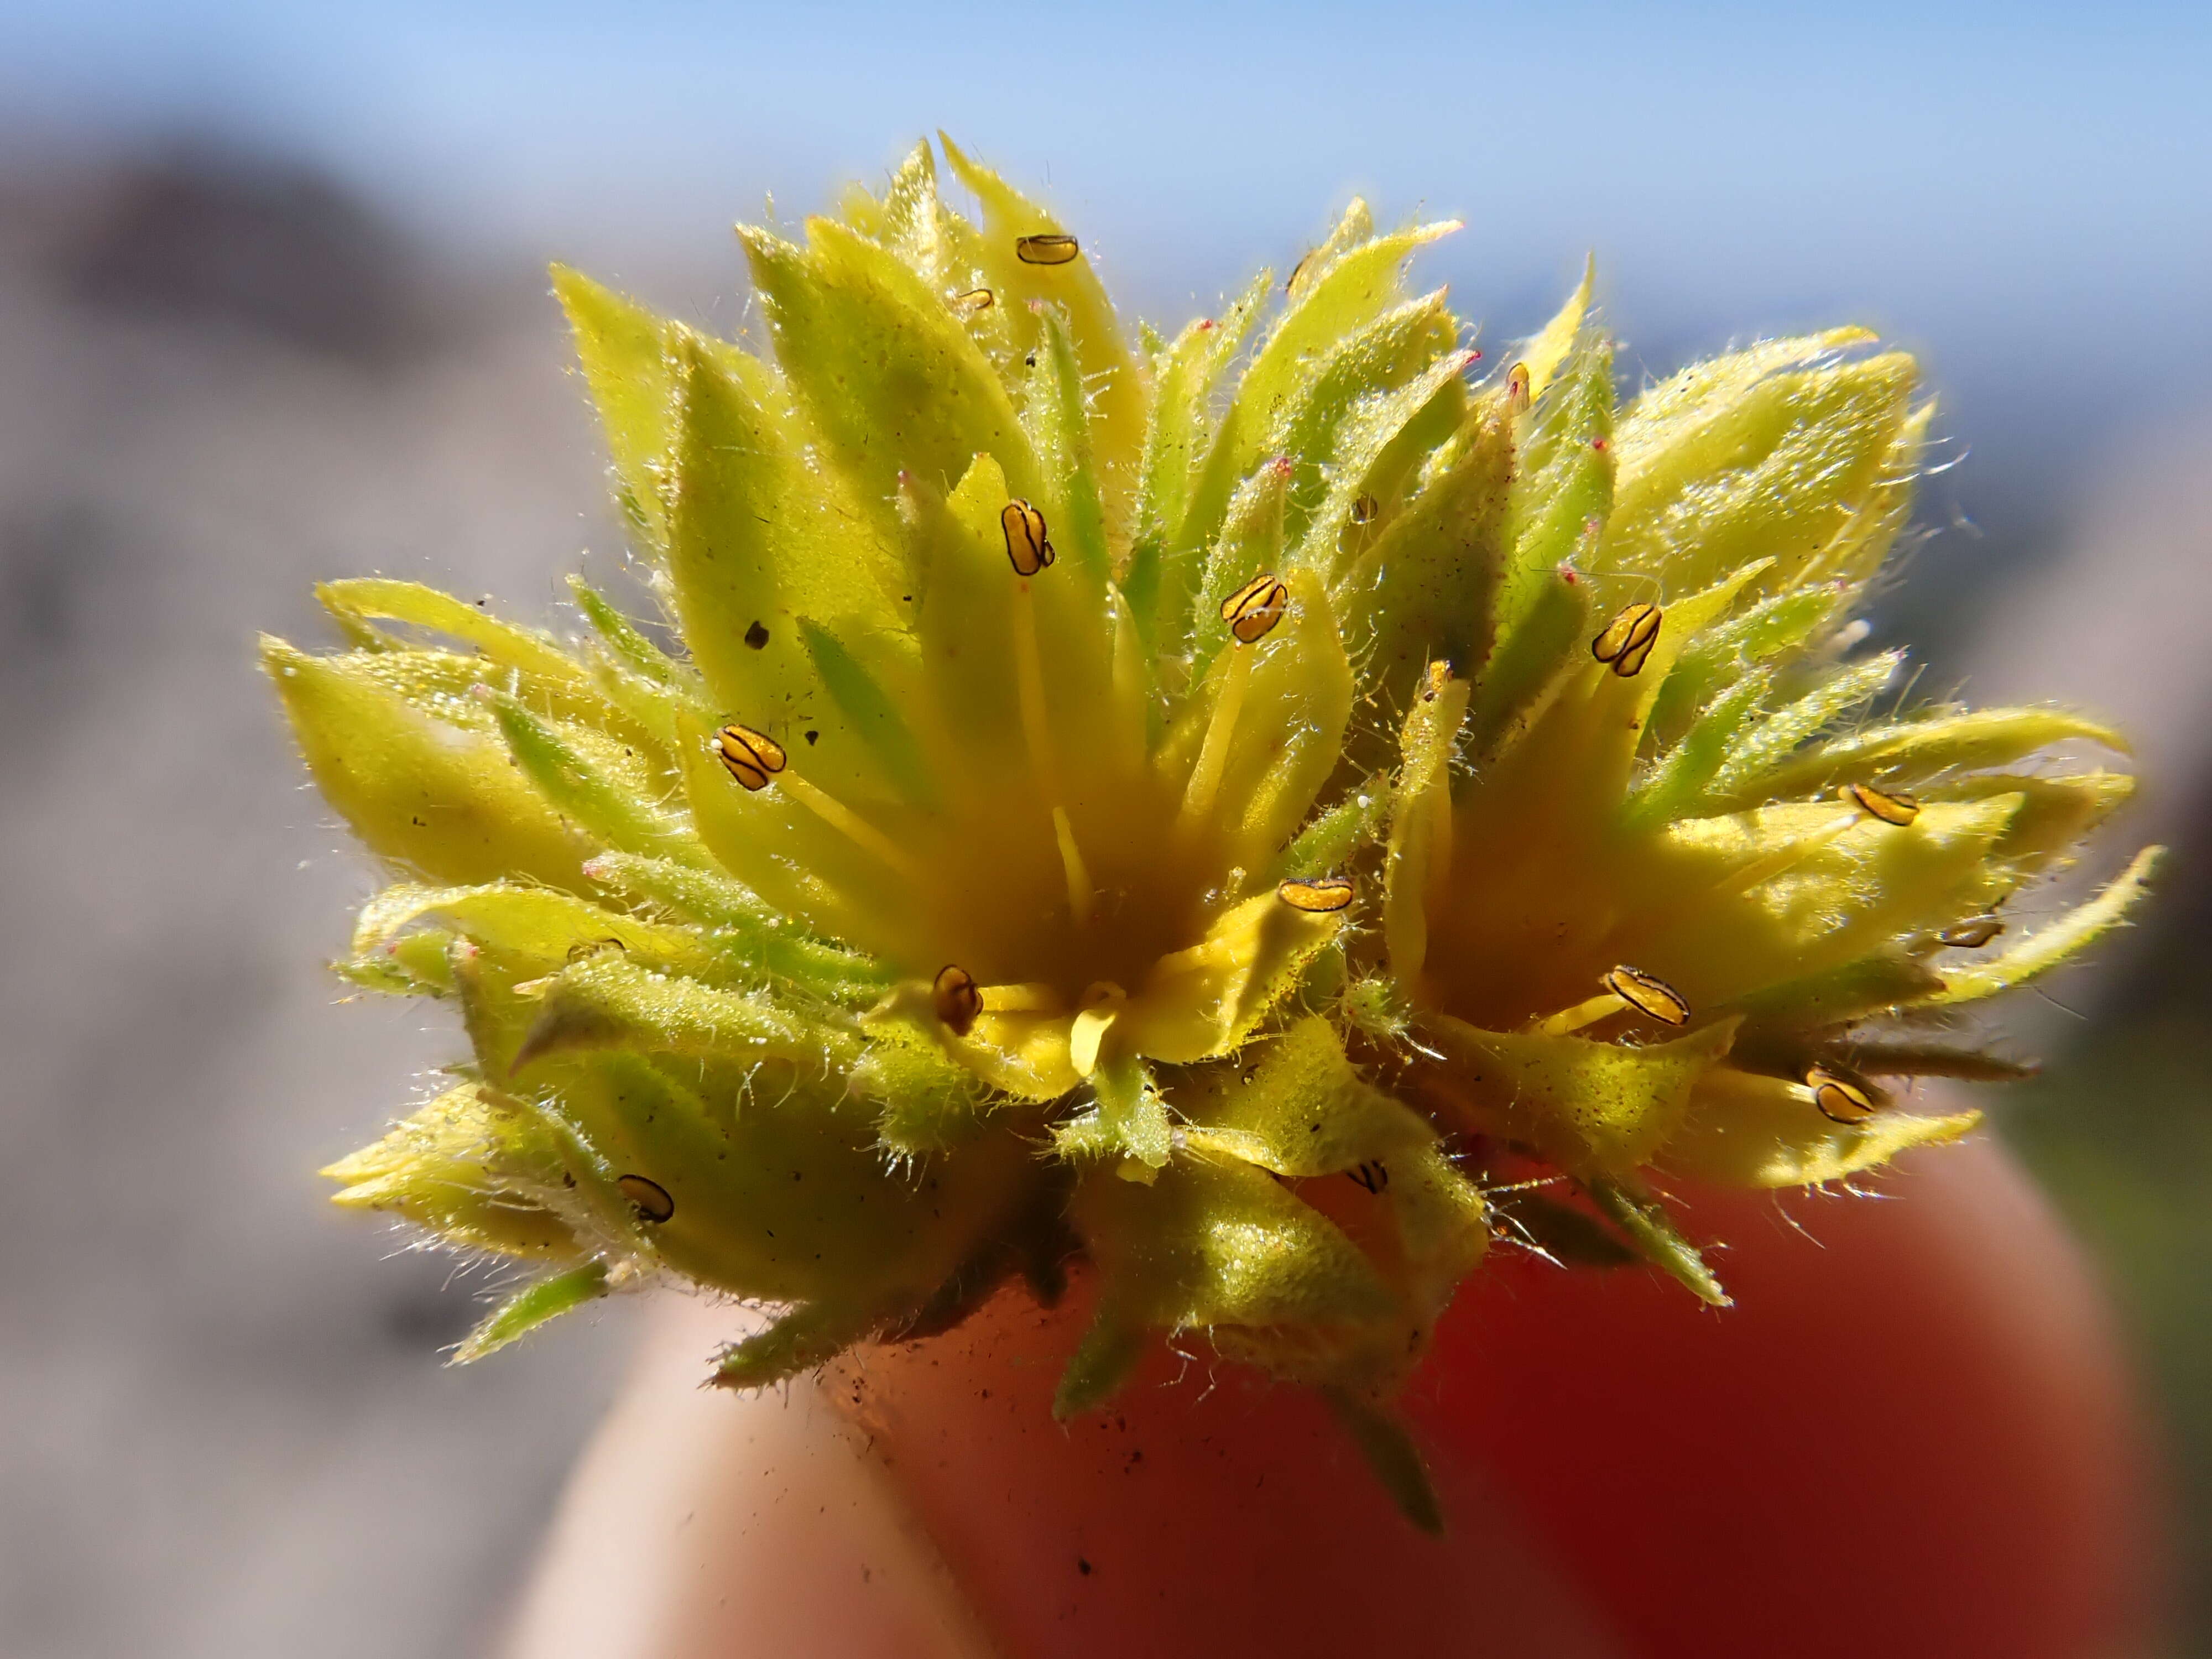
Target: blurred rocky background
<point x="232" y="365"/>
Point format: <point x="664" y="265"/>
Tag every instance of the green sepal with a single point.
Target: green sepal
<point x="596" y="783"/>
<point x="1101" y="1365"/>
<point x="1330" y="839"/>
<point x="1560" y="1232"/>
<point x="1592" y="1108"/>
<point x="747" y="933"/>
<point x="535" y="1304"/>
<point x="930" y="1103"/>
<point x="609" y="1002"/>
<point x="528" y="650"/>
<point x="1302" y="1111"/>
<point x="1745" y="1130"/>
<point x="805" y="1338"/>
<point x="1653" y="1232"/>
<point x="473" y="1167"/>
<point x="1182" y="424"/>
<point x="1391" y="1456"/>
<point x="1219" y="1242"/>
<point x="1057" y="416"/>
<point x="627" y="643"/>
<point x="1131" y="1113"/>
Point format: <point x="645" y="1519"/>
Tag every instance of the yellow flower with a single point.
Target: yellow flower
<point x="1221" y="810"/>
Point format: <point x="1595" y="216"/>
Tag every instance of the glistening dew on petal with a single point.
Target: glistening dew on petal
<point x="1224" y="813"/>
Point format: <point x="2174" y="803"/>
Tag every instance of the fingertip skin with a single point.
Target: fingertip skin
<point x="1913" y="1435"/>
<point x="1206" y="1512"/>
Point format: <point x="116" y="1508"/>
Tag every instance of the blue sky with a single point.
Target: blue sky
<point x="2017" y="190"/>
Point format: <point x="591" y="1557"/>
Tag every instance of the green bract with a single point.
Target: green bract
<point x="1222" y="810"/>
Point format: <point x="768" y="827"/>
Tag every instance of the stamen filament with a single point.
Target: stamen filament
<point x="1028" y="677"/>
<point x="1213" y="754"/>
<point x="1601" y="1006"/>
<point x="849" y="823"/>
<point x="1759" y="872"/>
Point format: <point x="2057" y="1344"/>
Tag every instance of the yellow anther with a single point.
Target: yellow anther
<point x="1364" y="510"/>
<point x="1971" y="935"/>
<point x="1048" y="249"/>
<point x="1628" y="638"/>
<point x="1028" y="549"/>
<point x="974" y="300"/>
<point x="1319" y="898"/>
<point x="1649" y="994"/>
<point x="957" y="1001"/>
<point x="1887" y="805"/>
<point x="752" y="757"/>
<point x="1840" y="1098"/>
<point x="1253" y="610"/>
<point x="650" y="1198"/>
<point x="1516" y="388"/>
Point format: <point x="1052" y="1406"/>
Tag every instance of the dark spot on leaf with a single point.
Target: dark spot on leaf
<point x="1083" y="1566"/>
<point x="756" y="635"/>
<point x="811" y="736"/>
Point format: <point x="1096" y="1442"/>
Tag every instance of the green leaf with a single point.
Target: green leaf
<point x="620" y="346"/>
<point x="889" y="379"/>
<point x="535" y="1304"/>
<point x="1779" y="736"/>
<point x="1057" y="418"/>
<point x="1422" y="592"/>
<point x="760" y="541"/>
<point x="431" y="795"/>
<point x="1777" y="470"/>
<point x="1912" y="751"/>
<point x="1181" y="424"/>
<point x="1118" y="390"/>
